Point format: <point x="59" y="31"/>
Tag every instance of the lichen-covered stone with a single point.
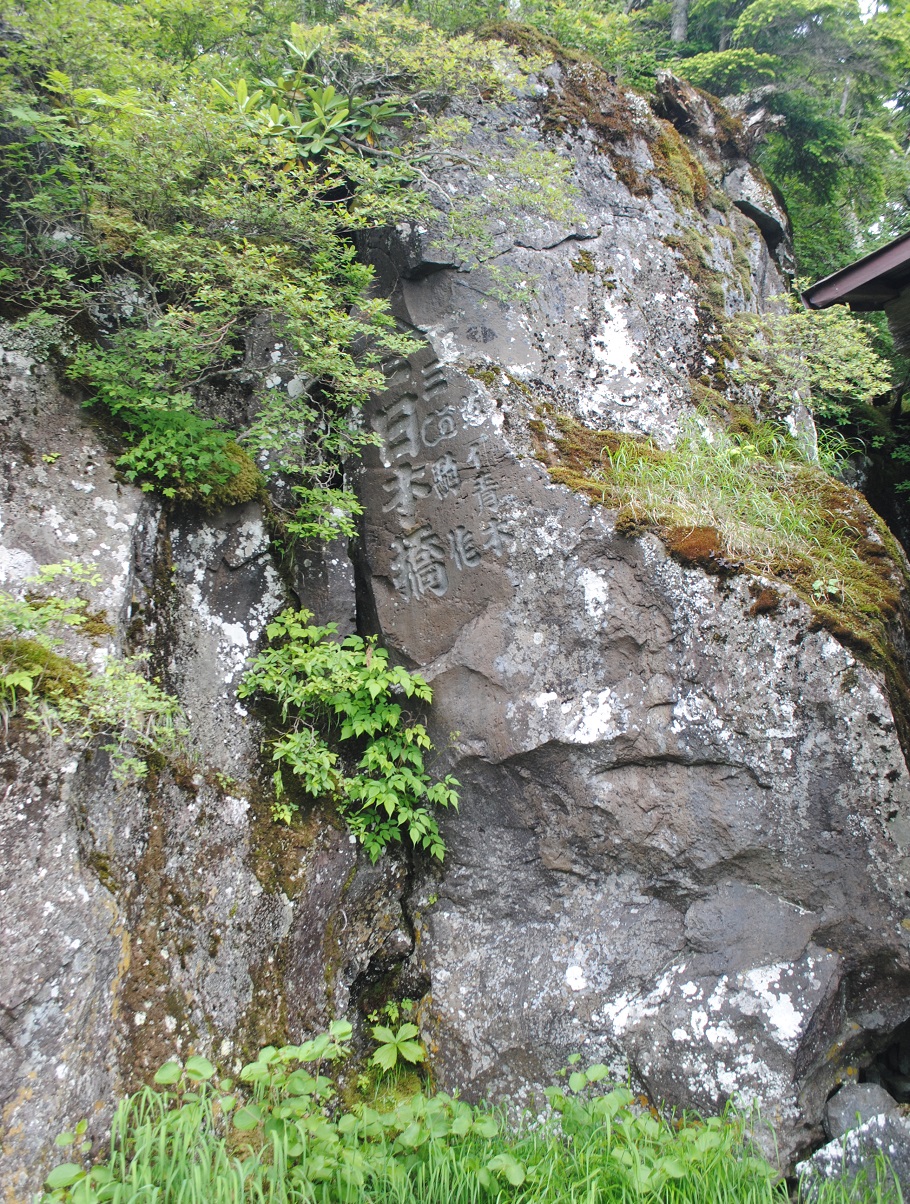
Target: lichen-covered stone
<point x="64" y="942"/>
<point x="875" y="1153"/>
<point x="146" y="920"/>
<point x="681" y="843"/>
<point x="684" y="833"/>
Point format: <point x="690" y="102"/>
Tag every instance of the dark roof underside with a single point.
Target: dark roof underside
<point x="870" y="283"/>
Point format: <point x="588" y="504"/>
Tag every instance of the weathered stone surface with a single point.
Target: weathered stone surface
<point x="860" y="1155"/>
<point x="680" y="846"/>
<point x="722" y="141"/>
<point x="854" y="1104"/>
<point x="754" y="197"/>
<point x="142" y="921"/>
<point x="615" y="326"/>
<point x="757" y="118"/>
<point x="684" y="835"/>
<point x="63" y="935"/>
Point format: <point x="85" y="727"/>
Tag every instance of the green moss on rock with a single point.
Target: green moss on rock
<point x="852" y="574"/>
<point x="52" y="675"/>
<point x="677" y="168"/>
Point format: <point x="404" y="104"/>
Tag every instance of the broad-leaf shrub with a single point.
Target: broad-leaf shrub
<point x="346" y="693"/>
<point x="183" y="455"/>
<point x="173" y="211"/>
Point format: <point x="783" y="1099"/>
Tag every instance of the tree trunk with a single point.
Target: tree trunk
<point x="726" y="36"/>
<point x="679" y="22"/>
<point x="845" y="96"/>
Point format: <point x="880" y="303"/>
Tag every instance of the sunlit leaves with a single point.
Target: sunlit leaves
<point x="824" y="358"/>
<point x="113" y="703"/>
<point x="397" y="1045"/>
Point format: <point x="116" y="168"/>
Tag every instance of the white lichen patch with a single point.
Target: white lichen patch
<point x="762" y="990"/>
<point x="596" y="592"/>
<point x="575" y="978"/>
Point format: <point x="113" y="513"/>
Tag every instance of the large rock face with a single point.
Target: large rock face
<point x="145" y="920"/>
<point x="680" y="842"/>
<point x="682" y="838"/>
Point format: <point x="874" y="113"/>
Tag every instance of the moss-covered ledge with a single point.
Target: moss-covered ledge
<point x="741" y="499"/>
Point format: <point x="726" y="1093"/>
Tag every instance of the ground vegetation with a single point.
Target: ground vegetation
<point x="279" y="1132"/>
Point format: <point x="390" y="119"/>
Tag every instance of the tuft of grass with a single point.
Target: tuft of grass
<point x="279" y="1135"/>
<point x="747" y="499"/>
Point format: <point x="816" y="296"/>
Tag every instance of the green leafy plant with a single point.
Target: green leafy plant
<point x="173" y="211"/>
<point x="172" y="449"/>
<point x="726" y="71"/>
<point x="824" y="359"/>
<point x="183" y="455"/>
<point x="315" y="116"/>
<point x="392" y="1010"/>
<point x="827" y="588"/>
<point x="279" y="1133"/>
<point x="348" y="692"/>
<point x="114" y="705"/>
<point x="397" y="1046"/>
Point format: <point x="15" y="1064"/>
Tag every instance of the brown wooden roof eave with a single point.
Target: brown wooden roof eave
<point x="869" y="283"/>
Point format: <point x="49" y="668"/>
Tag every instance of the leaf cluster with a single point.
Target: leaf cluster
<point x="825" y="359"/>
<point x="345" y="693"/>
<point x="114" y="703"/>
<point x="396" y="1045"/>
<point x="171" y="210"/>
<point x="276" y="1132"/>
<point x="306" y="110"/>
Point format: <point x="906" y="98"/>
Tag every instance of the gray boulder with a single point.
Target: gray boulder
<point x="680" y="846"/>
<point x="684" y="837"/>
<point x="874" y="1155"/>
<point x="854" y="1104"/>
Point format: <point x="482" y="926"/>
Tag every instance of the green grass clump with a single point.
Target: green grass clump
<point x="748" y="500"/>
<point x="281" y="1135"/>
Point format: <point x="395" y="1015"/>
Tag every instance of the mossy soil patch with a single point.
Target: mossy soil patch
<point x="743" y="501"/>
<point x="53" y="675"/>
